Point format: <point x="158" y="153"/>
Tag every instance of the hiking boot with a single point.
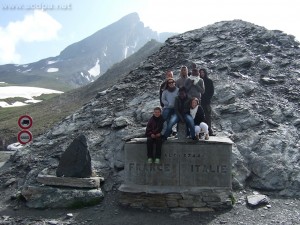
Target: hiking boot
<point x="157" y="161"/>
<point x="149" y="161"/>
<point x="194" y="139"/>
<point x="206" y="137"/>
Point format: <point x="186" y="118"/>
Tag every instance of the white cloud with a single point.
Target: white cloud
<point x="184" y="15"/>
<point x="38" y="26"/>
<point x="7" y="49"/>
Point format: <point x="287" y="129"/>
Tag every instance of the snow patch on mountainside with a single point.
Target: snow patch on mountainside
<point x="105" y="50"/>
<point x="130" y="47"/>
<point x="26" y="71"/>
<point x="23" y="92"/>
<point x="126" y="51"/>
<point x="86" y="76"/>
<point x="95" y="71"/>
<point x="15" y="104"/>
<point x="52" y="62"/>
<point x="52" y="70"/>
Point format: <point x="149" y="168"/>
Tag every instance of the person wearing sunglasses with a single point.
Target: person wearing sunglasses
<point x="169" y="74"/>
<point x="168" y="99"/>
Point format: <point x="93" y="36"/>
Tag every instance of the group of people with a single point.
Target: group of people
<point x="185" y="100"/>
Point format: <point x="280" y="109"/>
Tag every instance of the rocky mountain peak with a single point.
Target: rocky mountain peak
<point x="102" y="37"/>
<point x="256" y="74"/>
<point x="84" y="61"/>
<point x="131" y="18"/>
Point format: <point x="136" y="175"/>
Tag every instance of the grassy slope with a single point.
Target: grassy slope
<point x="44" y="114"/>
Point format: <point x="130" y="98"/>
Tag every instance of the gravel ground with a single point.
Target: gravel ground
<point x="281" y="211"/>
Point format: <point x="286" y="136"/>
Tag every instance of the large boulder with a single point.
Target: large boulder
<point x="76" y="160"/>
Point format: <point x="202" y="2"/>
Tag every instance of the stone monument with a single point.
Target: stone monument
<point x="198" y="173"/>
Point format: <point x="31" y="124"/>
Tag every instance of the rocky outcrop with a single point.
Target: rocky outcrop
<point x="256" y="104"/>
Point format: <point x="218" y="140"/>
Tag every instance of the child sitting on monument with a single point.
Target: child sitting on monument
<point x="153" y="134"/>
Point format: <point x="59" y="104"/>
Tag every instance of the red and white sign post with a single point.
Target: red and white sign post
<point x="25" y="136"/>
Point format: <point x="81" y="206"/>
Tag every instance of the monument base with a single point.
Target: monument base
<point x="200" y="199"/>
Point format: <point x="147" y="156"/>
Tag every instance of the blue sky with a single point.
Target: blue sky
<point x="28" y="34"/>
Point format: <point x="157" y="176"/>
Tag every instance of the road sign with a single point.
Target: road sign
<point x="24" y="136"/>
<point x="25" y="122"/>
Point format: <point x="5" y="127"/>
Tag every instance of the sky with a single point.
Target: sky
<point x="31" y="30"/>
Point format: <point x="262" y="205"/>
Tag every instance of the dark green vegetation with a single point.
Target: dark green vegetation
<point x="17" y="99"/>
<point x="50" y="83"/>
<point x="42" y="97"/>
<point x="42" y="80"/>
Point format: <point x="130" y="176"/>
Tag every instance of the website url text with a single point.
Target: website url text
<point x="37" y="6"/>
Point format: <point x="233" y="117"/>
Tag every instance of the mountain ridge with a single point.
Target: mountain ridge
<point x="82" y="62"/>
